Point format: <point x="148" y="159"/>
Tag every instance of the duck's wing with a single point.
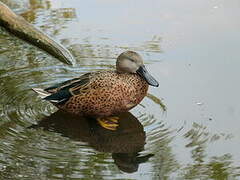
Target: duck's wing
<point x="60" y="93"/>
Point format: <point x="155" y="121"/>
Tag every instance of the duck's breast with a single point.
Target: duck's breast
<point x="131" y="91"/>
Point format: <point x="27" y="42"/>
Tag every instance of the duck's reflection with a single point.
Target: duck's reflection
<point x="124" y="143"/>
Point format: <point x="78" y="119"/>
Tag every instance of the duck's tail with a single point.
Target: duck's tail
<point x="41" y="92"/>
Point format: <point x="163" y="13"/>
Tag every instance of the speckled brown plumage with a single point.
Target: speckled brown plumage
<point x="103" y="93"/>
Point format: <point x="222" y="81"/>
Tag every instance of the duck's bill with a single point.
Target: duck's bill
<point x="142" y="71"/>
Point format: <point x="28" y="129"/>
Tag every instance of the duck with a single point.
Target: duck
<point x="103" y="94"/>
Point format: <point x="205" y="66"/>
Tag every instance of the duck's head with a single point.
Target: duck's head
<point x="132" y="62"/>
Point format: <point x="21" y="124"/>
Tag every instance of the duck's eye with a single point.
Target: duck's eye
<point x="131" y="59"/>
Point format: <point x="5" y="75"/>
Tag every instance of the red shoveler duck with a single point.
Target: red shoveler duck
<point x="103" y="94"/>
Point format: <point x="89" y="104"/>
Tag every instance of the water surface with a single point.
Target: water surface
<point x="191" y="47"/>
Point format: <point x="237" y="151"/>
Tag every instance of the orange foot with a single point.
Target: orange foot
<point x="110" y="123"/>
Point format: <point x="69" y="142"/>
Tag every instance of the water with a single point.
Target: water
<point x="188" y="128"/>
